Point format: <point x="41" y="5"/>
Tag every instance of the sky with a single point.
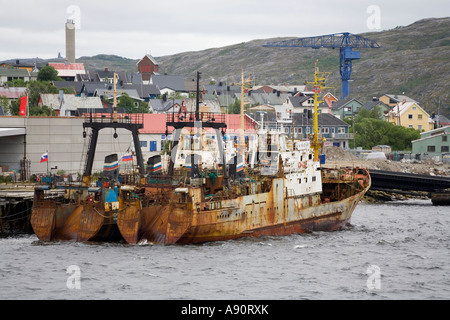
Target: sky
<point x="134" y="28"/>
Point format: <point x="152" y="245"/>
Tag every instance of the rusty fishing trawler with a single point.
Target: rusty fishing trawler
<point x="204" y="189"/>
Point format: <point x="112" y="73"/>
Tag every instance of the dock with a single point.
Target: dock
<point x="16" y="202"/>
<point x="436" y="187"/>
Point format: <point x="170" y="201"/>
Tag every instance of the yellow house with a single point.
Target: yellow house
<point x="393" y="99"/>
<point x="410" y="115"/>
<point x="18" y="65"/>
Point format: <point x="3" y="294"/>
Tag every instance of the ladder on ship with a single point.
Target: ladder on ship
<point x="290" y="193"/>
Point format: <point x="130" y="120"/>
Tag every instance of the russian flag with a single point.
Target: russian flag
<point x="127" y="157"/>
<point x="44" y="157"/>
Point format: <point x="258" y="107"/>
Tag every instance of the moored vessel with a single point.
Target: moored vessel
<point x="206" y="189"/>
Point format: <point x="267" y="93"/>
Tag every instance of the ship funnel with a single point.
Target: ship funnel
<point x="111" y="167"/>
<point x="154" y="165"/>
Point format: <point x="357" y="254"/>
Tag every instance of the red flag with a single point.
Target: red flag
<point x="23" y="106"/>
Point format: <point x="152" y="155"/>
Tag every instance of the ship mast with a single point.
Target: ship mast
<point x="244" y="84"/>
<point x="115" y="99"/>
<point x="318" y="84"/>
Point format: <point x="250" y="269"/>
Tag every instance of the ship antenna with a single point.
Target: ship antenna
<point x="115" y="99"/>
<point x="243" y="85"/>
<point x="197" y="98"/>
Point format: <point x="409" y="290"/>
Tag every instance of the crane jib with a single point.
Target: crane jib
<point x="345" y="41"/>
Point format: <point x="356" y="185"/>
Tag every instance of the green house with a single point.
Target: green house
<point x="346" y="107"/>
<point x="434" y="142"/>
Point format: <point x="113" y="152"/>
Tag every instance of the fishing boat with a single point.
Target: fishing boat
<point x="265" y="185"/>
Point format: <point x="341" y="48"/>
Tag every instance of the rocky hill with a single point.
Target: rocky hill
<point x="413" y="60"/>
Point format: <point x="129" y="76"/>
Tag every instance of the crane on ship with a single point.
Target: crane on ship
<point x="345" y="41"/>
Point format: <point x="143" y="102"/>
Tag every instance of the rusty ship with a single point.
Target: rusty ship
<point x="203" y="189"/>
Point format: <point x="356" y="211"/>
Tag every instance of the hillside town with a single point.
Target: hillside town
<point x="62" y="92"/>
<point x="288" y="108"/>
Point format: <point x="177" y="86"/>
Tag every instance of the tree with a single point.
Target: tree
<point x="48" y="73"/>
<point x="235" y="108"/>
<point x="128" y="103"/>
<point x="371" y="132"/>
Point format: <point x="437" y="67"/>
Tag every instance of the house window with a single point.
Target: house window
<point x="419" y="127"/>
<point x="349" y="109"/>
<point x="410" y="116"/>
<point x="143" y="144"/>
<point x="431" y="149"/>
<point x="419" y="116"/>
<point x="444" y="138"/>
<point x="444" y="148"/>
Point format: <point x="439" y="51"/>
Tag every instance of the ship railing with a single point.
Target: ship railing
<point x="135" y="118"/>
<point x="204" y="117"/>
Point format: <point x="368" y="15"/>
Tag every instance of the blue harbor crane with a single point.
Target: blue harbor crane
<point x="344" y="41"/>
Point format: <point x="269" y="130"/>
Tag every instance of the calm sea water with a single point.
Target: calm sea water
<point x="397" y="250"/>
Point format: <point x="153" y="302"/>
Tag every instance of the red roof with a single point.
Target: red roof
<point x="154" y="123"/>
<point x="12" y="93"/>
<point x="68" y="69"/>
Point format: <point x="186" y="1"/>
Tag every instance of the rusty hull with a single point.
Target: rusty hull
<point x="191" y="219"/>
<point x="172" y="214"/>
<point x="53" y="219"/>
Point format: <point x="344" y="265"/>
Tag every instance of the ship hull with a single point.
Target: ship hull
<point x="171" y="218"/>
<point x="52" y="220"/>
<point x="331" y="217"/>
<point x="262" y="214"/>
